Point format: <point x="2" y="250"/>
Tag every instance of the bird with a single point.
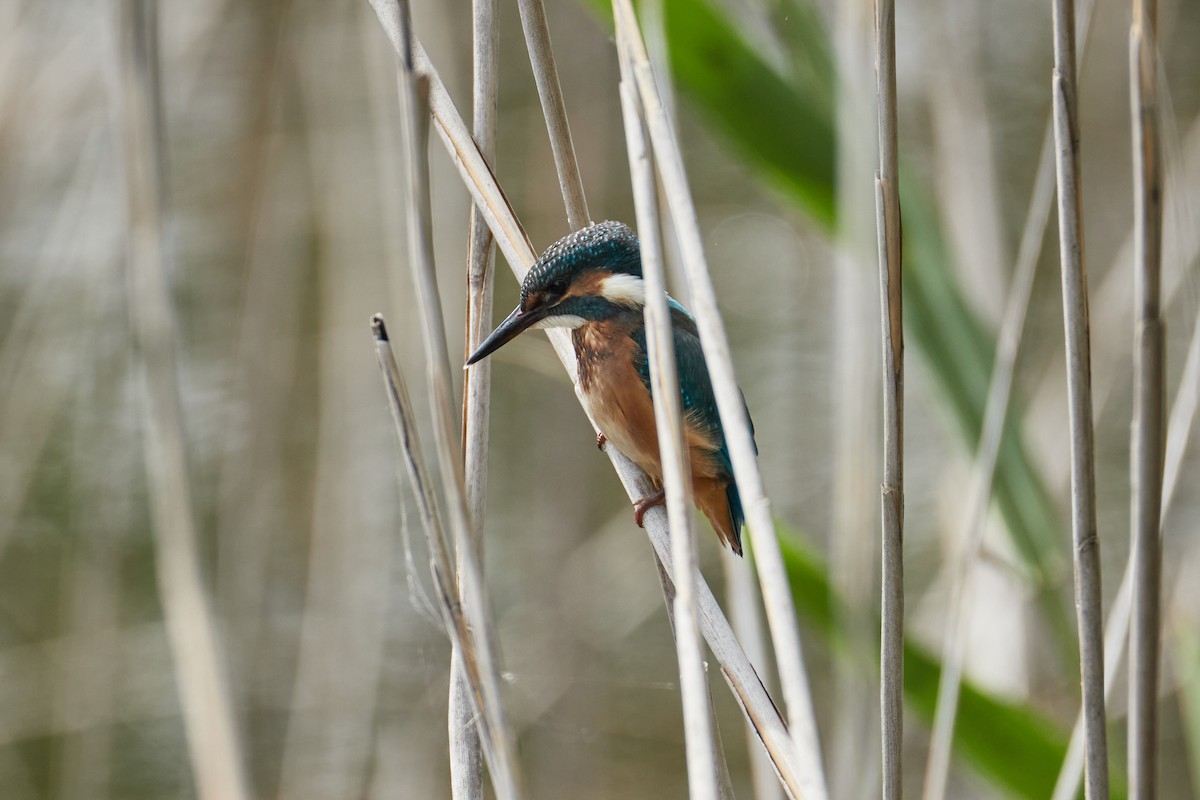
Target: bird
<point x="590" y="282"/>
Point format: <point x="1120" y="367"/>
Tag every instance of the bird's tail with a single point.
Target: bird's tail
<point x="720" y="502"/>
<point x="737" y="516"/>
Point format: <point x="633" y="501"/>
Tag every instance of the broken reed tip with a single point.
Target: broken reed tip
<point x="378" y="328"/>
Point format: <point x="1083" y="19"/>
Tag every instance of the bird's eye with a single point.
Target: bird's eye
<point x="558" y="287"/>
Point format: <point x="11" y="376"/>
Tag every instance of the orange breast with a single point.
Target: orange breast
<point x="618" y="400"/>
<point x="621" y="404"/>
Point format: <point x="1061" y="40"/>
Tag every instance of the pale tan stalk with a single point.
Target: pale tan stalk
<point x="743" y="599"/>
<point x="484" y="688"/>
<point x="664" y="383"/>
<point x="994" y="415"/>
<point x="995" y="411"/>
<point x="1149" y="391"/>
<point x="466" y="765"/>
<point x="1086" y="541"/>
<point x="545" y="74"/>
<point x="887" y="205"/>
<point x="1179" y="429"/>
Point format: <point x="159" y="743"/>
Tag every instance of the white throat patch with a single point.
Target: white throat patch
<point x="560" y="321"/>
<point x="624" y="290"/>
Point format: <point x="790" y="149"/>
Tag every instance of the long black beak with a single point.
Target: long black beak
<point x="516" y="322"/>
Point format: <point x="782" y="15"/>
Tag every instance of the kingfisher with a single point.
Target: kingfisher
<point x="590" y="282"/>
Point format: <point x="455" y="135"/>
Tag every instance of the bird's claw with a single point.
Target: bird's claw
<point x="601" y="439"/>
<point x="645" y="504"/>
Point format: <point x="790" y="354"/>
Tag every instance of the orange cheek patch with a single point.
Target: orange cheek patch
<point x="587" y="285"/>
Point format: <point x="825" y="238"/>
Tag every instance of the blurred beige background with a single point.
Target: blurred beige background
<point x="284" y="169"/>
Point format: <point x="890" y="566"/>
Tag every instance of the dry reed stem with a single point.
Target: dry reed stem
<point x="1116" y="634"/>
<point x="1112" y="349"/>
<point x="781" y="612"/>
<point x="994" y="416"/>
<point x="1179" y="427"/>
<point x="1086" y="549"/>
<point x="853" y="544"/>
<point x="742" y="597"/>
<point x="995" y="411"/>
<point x="477" y="176"/>
<point x="724" y="783"/>
<point x="466" y="766"/>
<point x="484" y="687"/>
<point x="545" y="74"/>
<point x="1148" y="434"/>
<point x="413" y="91"/>
<point x="202" y="681"/>
<point x="887" y="205"/>
<point x="664" y="382"/>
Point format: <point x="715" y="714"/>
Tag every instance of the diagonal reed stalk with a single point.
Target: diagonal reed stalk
<point x="484" y="688"/>
<point x="1086" y="548"/>
<point x="664" y="382"/>
<point x="1148" y="432"/>
<point x="191" y="630"/>
<point x="887" y="205"/>
<point x="466" y="767"/>
<point x="781" y="612"/>
<point x="743" y="681"/>
<point x="995" y="412"/>
<point x="479" y="645"/>
<point x="545" y="74"/>
<point x="744" y="603"/>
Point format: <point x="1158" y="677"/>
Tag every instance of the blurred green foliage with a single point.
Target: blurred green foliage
<point x="1013" y="746"/>
<point x="784" y="128"/>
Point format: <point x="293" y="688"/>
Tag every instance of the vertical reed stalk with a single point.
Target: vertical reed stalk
<point x="1116" y="629"/>
<point x="887" y="205"/>
<point x="466" y="767"/>
<point x="781" y="613"/>
<point x="413" y="91"/>
<point x="545" y="74"/>
<point x="202" y="681"/>
<point x="1079" y="391"/>
<point x="664" y="383"/>
<point x="1148" y="432"/>
<point x="995" y="411"/>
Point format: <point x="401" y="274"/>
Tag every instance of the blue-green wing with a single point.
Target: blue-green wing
<point x="697" y="398"/>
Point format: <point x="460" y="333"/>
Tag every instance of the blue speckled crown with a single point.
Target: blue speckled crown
<point x="611" y="246"/>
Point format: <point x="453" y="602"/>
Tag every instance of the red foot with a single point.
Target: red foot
<point x="600" y="440"/>
<point x="645" y="504"/>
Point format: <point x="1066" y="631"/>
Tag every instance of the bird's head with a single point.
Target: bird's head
<point x="591" y="275"/>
